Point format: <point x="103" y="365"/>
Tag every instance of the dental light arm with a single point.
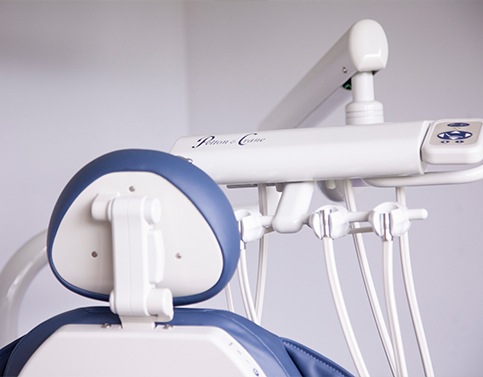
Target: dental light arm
<point x="363" y="48"/>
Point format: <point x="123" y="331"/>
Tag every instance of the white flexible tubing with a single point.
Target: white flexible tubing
<point x="262" y="276"/>
<point x="341" y="307"/>
<point x="245" y="288"/>
<point x="411" y="294"/>
<point x="392" y="308"/>
<point x="243" y="293"/>
<point x="262" y="255"/>
<point x="229" y="298"/>
<point x="368" y="281"/>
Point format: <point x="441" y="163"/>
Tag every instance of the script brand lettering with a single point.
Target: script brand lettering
<point x="212" y="140"/>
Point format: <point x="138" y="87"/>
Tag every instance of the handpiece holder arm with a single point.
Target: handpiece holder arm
<point x="334" y="221"/>
<point x="453" y="177"/>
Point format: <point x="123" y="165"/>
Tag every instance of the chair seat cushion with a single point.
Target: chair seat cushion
<point x="276" y="356"/>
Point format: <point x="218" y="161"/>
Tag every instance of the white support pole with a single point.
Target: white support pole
<point x="15" y="278"/>
<point x="363" y="109"/>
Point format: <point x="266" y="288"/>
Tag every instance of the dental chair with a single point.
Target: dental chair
<point x="150" y="233"/>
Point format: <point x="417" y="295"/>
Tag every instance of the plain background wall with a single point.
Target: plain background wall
<point x="80" y="79"/>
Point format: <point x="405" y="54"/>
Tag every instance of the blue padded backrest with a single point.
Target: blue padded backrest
<point x="196" y="185"/>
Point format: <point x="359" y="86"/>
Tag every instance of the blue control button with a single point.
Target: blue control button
<point x="455" y="135"/>
<point x="458" y="124"/>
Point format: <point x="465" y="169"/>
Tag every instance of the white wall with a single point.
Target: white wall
<point x="78" y="80"/>
<point x="137" y="74"/>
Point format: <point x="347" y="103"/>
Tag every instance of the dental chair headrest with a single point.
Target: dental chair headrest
<point x="199" y="232"/>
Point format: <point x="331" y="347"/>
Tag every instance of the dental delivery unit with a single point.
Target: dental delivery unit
<point x="152" y="233"/>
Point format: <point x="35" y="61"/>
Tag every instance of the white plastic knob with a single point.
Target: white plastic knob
<point x="160" y="304"/>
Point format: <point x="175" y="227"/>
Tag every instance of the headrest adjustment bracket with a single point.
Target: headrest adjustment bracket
<point x="138" y="257"/>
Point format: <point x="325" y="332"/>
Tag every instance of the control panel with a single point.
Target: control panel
<point x="454" y="141"/>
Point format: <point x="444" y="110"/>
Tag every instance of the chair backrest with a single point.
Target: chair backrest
<point x="149" y="232"/>
<point x="198" y="234"/>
